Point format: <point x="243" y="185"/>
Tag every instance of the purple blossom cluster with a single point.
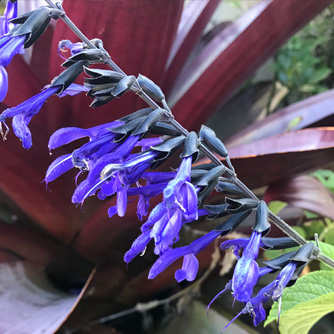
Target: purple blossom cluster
<point x="120" y="158"/>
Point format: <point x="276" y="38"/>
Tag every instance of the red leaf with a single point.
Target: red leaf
<point x="22" y="84"/>
<point x="195" y="17"/>
<point x="307" y="112"/>
<point x="138" y="35"/>
<point x="29" y="303"/>
<point x="231" y="57"/>
<point x="22" y="173"/>
<point x="304" y="192"/>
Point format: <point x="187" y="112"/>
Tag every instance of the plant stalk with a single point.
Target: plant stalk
<point x="280" y="223"/>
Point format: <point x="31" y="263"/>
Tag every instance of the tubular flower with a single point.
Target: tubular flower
<point x="10" y="46"/>
<point x="23" y="113"/>
<point x="246" y="270"/>
<point x="190" y="263"/>
<point x="67" y="135"/>
<point x="291" y="265"/>
<point x="6" y="51"/>
<point x="179" y="206"/>
<point x="66" y="45"/>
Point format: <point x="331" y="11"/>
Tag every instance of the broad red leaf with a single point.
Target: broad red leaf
<point x="304" y="192"/>
<point x="137" y="34"/>
<point x="29" y="303"/>
<point x="304" y="113"/>
<point x="22" y="173"/>
<point x="22" y="83"/>
<point x="234" y="55"/>
<point x="195" y="17"/>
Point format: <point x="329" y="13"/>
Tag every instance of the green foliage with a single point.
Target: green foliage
<point x="305" y="303"/>
<point x="326" y="177"/>
<point x="276" y="206"/>
<point x="304" y="64"/>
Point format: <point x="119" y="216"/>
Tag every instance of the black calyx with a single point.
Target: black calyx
<point x="208" y="182"/>
<point x="191" y="147"/>
<point x="232" y="222"/>
<point x="150" y="88"/>
<point x="262" y="224"/>
<point x="93" y="56"/>
<point x="33" y="24"/>
<point x="239" y="205"/>
<point x="68" y="76"/>
<point x="209" y="138"/>
<point x="148" y="124"/>
<point x="166" y="149"/>
<point x="304" y="254"/>
<point x="162" y="128"/>
<point x="136" y="114"/>
<point x="229" y="189"/>
<point x="216" y="211"/>
<point x="278" y="243"/>
<point x="106" y="85"/>
<point x="281" y="261"/>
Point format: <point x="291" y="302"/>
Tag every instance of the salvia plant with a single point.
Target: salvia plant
<point x="122" y="158"/>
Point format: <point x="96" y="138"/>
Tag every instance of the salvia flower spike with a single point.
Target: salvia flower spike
<point x="118" y="160"/>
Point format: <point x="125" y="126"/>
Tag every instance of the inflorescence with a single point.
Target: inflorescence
<point x="110" y="163"/>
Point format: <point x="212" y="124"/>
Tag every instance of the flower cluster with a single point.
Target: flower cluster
<point x="119" y="158"/>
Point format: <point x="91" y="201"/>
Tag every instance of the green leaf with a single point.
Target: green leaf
<point x="307" y="288"/>
<point x="301" y="318"/>
<point x="329" y="237"/>
<point x="328" y="250"/>
<point x="313" y="227"/>
<point x="326" y="177"/>
<point x="320" y="74"/>
<point x="276" y="206"/>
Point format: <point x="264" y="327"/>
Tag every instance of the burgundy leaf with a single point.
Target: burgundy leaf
<point x="22" y="173"/>
<point x="304" y="192"/>
<point x="305" y="113"/>
<point x="231" y="57"/>
<point x="195" y="17"/>
<point x="22" y="83"/>
<point x="29" y="303"/>
<point x="137" y="34"/>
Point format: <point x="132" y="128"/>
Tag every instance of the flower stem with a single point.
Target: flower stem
<point x="280" y="223"/>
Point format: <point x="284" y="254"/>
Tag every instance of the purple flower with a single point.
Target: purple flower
<point x="3" y="83"/>
<point x="67" y="135"/>
<point x="145" y="193"/>
<point x="74" y="48"/>
<point x="179" y="206"/>
<point x="5" y="27"/>
<point x="180" y="193"/>
<point x="246" y="270"/>
<point x="9" y="14"/>
<point x="23" y="113"/>
<point x="273" y="290"/>
<point x="189" y="267"/>
<point x="9" y="47"/>
<point x="262" y="271"/>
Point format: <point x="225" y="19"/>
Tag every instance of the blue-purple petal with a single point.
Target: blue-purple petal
<point x="10" y="46"/>
<point x="138" y="246"/>
<point x="20" y="127"/>
<point x="73" y="89"/>
<point x="58" y="167"/>
<point x="189" y="268"/>
<point x="3" y="83"/>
